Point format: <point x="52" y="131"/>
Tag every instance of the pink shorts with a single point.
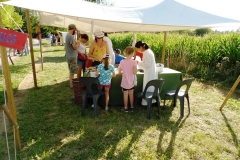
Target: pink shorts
<point x="107" y="86"/>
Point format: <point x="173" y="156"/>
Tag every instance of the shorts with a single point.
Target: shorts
<point x="107" y="86"/>
<point x="124" y="89"/>
<point x="72" y="65"/>
<point x="80" y="63"/>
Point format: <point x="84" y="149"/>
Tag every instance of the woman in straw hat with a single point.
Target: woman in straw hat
<point x="98" y="48"/>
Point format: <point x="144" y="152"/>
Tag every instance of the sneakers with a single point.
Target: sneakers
<point x="132" y="109"/>
<point x="124" y="109"/>
<point x="106" y="108"/>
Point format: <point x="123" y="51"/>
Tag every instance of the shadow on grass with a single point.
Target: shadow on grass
<point x="179" y="124"/>
<point x="234" y="136"/>
<point x="54" y="59"/>
<point x="17" y="72"/>
<point x="54" y="50"/>
<point x="172" y="127"/>
<point x="223" y="89"/>
<point x="18" y="68"/>
<point x="52" y="127"/>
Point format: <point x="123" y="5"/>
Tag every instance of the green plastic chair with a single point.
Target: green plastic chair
<point x="180" y="94"/>
<point x="92" y="90"/>
<point x="148" y="96"/>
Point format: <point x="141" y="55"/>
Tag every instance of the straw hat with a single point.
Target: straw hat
<point x="98" y="33"/>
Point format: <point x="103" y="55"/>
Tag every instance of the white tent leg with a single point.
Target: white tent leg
<point x="134" y="39"/>
<point x="164" y="46"/>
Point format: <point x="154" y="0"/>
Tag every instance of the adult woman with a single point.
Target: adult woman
<point x="110" y="48"/>
<point x="98" y="48"/>
<point x="148" y="64"/>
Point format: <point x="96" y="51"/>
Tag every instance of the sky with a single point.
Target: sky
<point x="224" y="8"/>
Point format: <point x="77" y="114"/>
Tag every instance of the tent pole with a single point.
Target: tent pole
<point x="8" y="84"/>
<point x="92" y="24"/>
<point x="134" y="39"/>
<point x="164" y="46"/>
<point x="40" y="44"/>
<point x="38" y="32"/>
<point x="31" y="47"/>
<point x="230" y="92"/>
<point x="133" y="43"/>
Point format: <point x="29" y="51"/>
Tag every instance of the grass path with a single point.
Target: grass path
<point x="52" y="127"/>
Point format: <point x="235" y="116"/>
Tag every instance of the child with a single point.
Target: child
<point x="128" y="68"/>
<point x="81" y="50"/>
<point x="105" y="71"/>
<point x="118" y="56"/>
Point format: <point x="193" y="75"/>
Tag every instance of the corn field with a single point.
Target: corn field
<point x="214" y="57"/>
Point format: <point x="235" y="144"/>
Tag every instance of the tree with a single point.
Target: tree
<point x="103" y="2"/>
<point x="94" y="1"/>
<point x="184" y="32"/>
<point x="9" y="15"/>
<point x="201" y="32"/>
<point x="35" y="20"/>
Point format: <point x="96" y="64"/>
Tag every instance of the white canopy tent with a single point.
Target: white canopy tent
<point x="166" y="15"/>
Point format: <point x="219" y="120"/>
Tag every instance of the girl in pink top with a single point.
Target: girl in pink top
<point x="128" y="68"/>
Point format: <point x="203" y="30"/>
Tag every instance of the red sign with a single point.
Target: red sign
<point x="12" y="39"/>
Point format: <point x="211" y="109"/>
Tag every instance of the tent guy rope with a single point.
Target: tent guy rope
<point x="4" y="119"/>
<point x="5" y="127"/>
<point x="8" y="89"/>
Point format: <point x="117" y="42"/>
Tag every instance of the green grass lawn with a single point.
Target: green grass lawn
<point x="52" y="127"/>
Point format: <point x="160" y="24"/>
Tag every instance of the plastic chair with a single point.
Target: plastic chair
<point x="92" y="90"/>
<point x="148" y="96"/>
<point x="180" y="94"/>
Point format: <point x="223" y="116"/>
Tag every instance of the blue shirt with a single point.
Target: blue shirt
<point x="105" y="75"/>
<point x="118" y="58"/>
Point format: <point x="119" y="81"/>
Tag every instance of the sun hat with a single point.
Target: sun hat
<point x="98" y="33"/>
<point x="106" y="56"/>
<point x="71" y="26"/>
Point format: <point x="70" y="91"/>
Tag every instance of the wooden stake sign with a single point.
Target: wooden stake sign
<point x="12" y="39"/>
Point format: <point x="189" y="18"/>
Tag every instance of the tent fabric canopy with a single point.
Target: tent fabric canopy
<point x="166" y="15"/>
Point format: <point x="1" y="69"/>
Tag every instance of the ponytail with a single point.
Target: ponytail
<point x="142" y="44"/>
<point x="106" y="63"/>
<point x="145" y="45"/>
